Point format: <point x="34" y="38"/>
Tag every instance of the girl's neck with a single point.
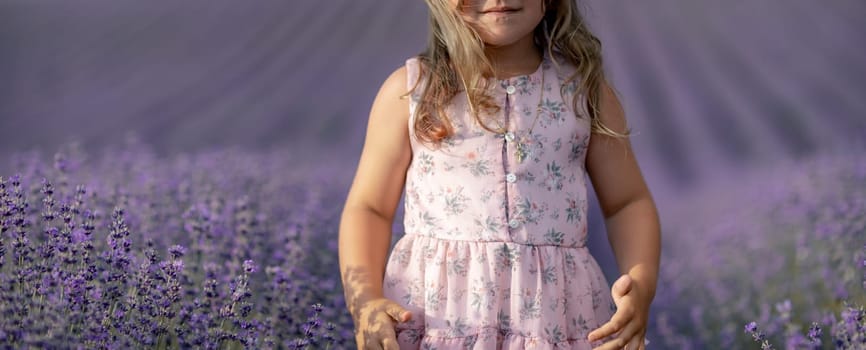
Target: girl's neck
<point x="520" y="58"/>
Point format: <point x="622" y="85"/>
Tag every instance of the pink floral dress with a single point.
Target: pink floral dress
<point x="494" y="255"/>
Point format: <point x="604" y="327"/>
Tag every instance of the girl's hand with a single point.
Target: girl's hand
<point x="374" y="324"/>
<point x="630" y="319"/>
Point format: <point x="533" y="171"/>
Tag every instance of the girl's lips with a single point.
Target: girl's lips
<point x="501" y="10"/>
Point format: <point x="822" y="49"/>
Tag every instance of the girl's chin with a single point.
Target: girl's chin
<point x="500" y="40"/>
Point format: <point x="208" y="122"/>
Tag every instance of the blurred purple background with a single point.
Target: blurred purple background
<point x="711" y="90"/>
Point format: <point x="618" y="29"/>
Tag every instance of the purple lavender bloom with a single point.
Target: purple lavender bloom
<point x="177" y="251"/>
<point x="751" y="327"/>
<point x="815" y="333"/>
<point x="249" y="267"/>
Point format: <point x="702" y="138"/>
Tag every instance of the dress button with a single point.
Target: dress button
<point x="509" y="136"/>
<point x="510" y="177"/>
<point x="510" y="89"/>
<point x="513" y="223"/>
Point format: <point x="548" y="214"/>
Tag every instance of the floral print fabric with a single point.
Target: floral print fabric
<point x="494" y="255"/>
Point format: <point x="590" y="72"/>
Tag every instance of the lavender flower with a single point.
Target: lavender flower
<point x="249" y="267"/>
<point x="757" y="335"/>
<point x="815" y="333"/>
<point x="177" y="251"/>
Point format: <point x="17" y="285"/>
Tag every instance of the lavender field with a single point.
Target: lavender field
<point x="228" y="249"/>
<point x="216" y="226"/>
<point x="212" y="250"/>
<point x="781" y="251"/>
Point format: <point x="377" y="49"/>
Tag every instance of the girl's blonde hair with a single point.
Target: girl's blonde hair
<point x="455" y="59"/>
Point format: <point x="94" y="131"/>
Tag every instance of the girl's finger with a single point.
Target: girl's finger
<point x="372" y="345"/>
<point x="397" y="312"/>
<point x="361" y="340"/>
<point x="635" y="343"/>
<point x="619" y="320"/>
<point x="390" y="344"/>
<point x="388" y="338"/>
<point x="622" y="339"/>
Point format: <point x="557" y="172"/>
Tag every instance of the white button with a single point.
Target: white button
<point x="509" y="136"/>
<point x="510" y="89"/>
<point x="510" y="177"/>
<point x="513" y="223"/>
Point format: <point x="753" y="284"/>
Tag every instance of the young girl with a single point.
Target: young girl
<point x="493" y="130"/>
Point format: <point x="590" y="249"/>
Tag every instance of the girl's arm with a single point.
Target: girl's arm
<point x="631" y="217"/>
<point x="630" y="214"/>
<point x="365" y="225"/>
